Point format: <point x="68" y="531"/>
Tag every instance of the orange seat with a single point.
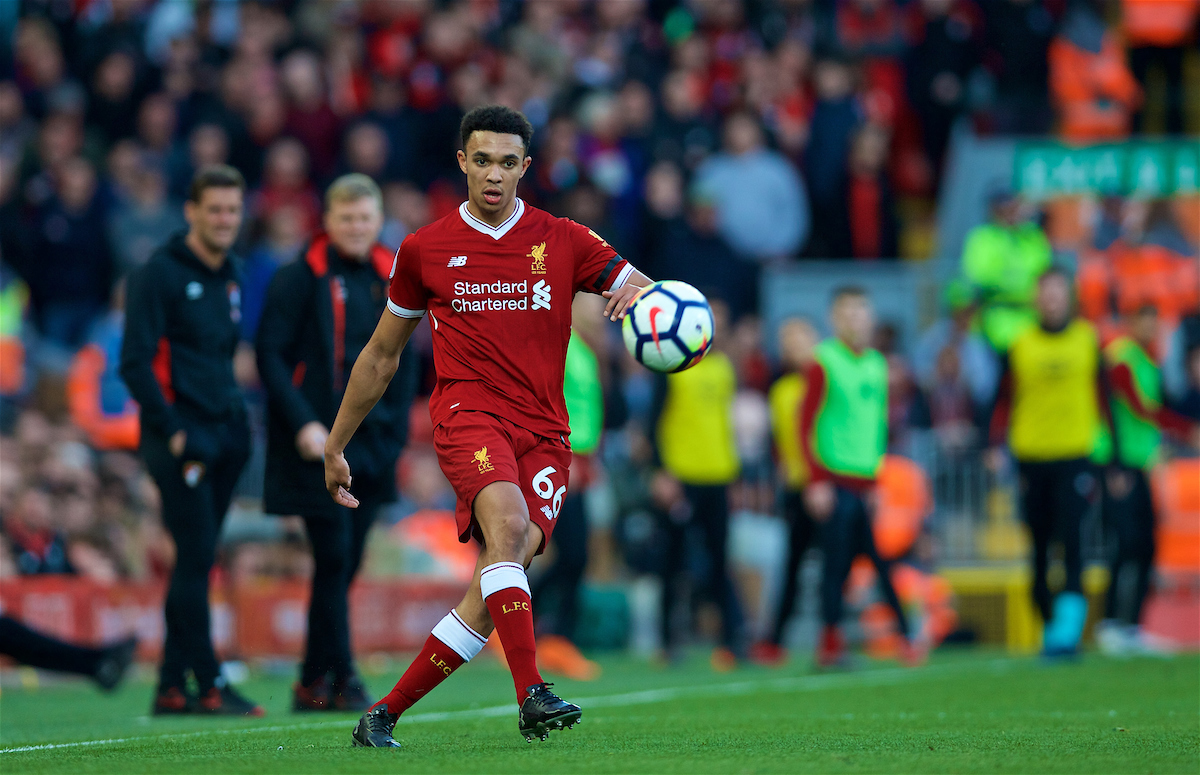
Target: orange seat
<point x="1177" y="492"/>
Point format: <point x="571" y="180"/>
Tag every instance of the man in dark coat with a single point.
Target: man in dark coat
<point x="182" y="327"/>
<point x="320" y="311"/>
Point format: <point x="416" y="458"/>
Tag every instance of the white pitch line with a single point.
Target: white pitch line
<point x="645" y="697"/>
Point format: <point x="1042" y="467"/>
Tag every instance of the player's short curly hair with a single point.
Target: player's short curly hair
<point x="496" y="118"/>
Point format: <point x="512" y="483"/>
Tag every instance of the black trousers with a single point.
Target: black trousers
<point x="557" y="590"/>
<point x="32" y="648"/>
<point x="1141" y="59"/>
<point x="1130" y="526"/>
<point x="193" y="511"/>
<point x="1055" y="496"/>
<point x="802" y="533"/>
<point x="844" y="536"/>
<point x="337" y="544"/>
<point x="709" y="506"/>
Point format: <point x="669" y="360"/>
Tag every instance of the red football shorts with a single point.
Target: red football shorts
<point x="475" y="449"/>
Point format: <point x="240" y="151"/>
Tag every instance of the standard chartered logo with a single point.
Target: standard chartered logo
<point x="499" y="296"/>
<point x="541" y="295"/>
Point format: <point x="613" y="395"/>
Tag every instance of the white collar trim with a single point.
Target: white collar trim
<point x="495" y="232"/>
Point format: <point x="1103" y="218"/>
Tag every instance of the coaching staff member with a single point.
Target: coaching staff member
<point x="181" y="331"/>
<point x="320" y="312"/>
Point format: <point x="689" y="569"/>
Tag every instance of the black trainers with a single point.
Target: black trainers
<point x="116" y="660"/>
<point x="543" y="711"/>
<point x="349" y="694"/>
<point x="222" y="700"/>
<point x="374" y="729"/>
<point x="172" y="701"/>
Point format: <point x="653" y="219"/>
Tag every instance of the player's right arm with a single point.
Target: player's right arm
<point x="146" y="308"/>
<point x="376" y="365"/>
<point x="372" y="372"/>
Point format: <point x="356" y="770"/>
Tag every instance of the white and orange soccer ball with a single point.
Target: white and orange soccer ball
<point x="669" y="326"/>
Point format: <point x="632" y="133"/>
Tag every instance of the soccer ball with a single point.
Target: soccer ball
<point x="668" y="327"/>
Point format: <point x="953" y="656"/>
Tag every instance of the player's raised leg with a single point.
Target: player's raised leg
<point x="510" y="541"/>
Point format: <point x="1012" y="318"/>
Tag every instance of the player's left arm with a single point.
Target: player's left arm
<point x="620" y="298"/>
<point x="601" y="269"/>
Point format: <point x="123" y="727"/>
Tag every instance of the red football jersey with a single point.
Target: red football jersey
<point x="499" y="302"/>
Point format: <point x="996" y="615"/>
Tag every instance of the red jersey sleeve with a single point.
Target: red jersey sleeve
<point x="407" y="296"/>
<point x="810" y="407"/>
<point x="597" y="266"/>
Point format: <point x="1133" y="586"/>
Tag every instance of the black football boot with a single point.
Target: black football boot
<point x="374" y="729"/>
<point x="543" y="711"/>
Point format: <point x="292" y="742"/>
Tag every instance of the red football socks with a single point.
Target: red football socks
<point x="451" y="645"/>
<point x="506" y="592"/>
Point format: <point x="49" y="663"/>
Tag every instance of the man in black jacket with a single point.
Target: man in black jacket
<point x="320" y="311"/>
<point x="181" y="332"/>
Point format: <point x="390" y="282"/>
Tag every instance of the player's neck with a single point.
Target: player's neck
<point x="492" y="219"/>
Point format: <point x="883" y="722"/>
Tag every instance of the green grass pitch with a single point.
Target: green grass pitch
<point x="964" y="712"/>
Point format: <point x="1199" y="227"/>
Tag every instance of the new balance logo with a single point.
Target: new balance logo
<point x="541" y="295"/>
<point x="457" y="261"/>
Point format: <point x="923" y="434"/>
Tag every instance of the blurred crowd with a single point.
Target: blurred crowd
<point x="705" y="140"/>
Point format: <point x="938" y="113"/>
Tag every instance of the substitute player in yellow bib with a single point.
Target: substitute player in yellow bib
<point x="1052" y="394"/>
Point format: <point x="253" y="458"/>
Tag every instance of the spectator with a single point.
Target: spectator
<point x="691" y="248"/>
<point x="112" y="106"/>
<point x="309" y="117"/>
<point x="1157" y="33"/>
<point x="682" y="134"/>
<point x="952" y="411"/>
<point x="1150" y="263"/>
<point x="870" y="202"/>
<point x="70" y="276"/>
<point x="762" y="208"/>
<point x="938" y="66"/>
<point x="41" y="69"/>
<point x="610" y="161"/>
<point x="139" y="225"/>
<point x="367" y="151"/>
<point x="1017" y="39"/>
<point x="836" y="116"/>
<point x="285" y="238"/>
<point x="16" y="128"/>
<point x="286" y="183"/>
<point x="1189" y="403"/>
<point x="406" y="209"/>
<point x="207" y="144"/>
<point x="156" y="125"/>
<point x="38" y="545"/>
<point x="976" y="362"/>
<point x="1002" y="260"/>
<point x="1094" y="93"/>
<point x="663" y="205"/>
